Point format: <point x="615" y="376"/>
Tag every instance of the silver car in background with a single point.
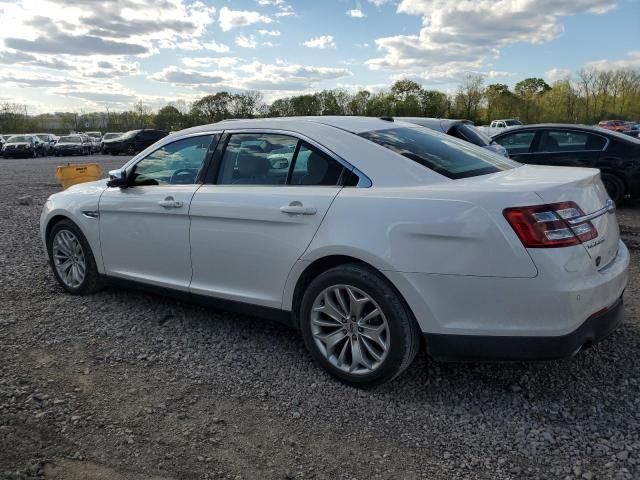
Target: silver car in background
<point x="462" y="129"/>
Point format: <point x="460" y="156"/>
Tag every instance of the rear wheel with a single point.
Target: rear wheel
<point x="357" y="326"/>
<point x="615" y="187"/>
<point x="131" y="149"/>
<point x="71" y="259"/>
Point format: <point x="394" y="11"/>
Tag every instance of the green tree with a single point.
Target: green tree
<point x="169" y="118"/>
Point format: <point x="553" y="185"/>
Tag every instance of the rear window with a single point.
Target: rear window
<point x="441" y="153"/>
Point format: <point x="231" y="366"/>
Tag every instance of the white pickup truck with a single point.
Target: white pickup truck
<point x="498" y="126"/>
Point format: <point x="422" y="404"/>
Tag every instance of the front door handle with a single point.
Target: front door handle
<point x="296" y="208"/>
<point x="169" y="202"/>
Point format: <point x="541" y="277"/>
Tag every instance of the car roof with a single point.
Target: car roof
<point x="540" y="126"/>
<point x="440" y="124"/>
<point x="347" y="123"/>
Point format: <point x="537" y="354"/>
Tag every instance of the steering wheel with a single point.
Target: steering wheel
<point x="179" y="176"/>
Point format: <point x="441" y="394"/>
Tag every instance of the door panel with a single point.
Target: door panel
<point x="246" y="239"/>
<point x="144" y="229"/>
<point x="143" y="240"/>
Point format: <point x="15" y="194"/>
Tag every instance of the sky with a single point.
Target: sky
<point x="92" y="55"/>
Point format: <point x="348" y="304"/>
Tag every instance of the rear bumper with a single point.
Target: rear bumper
<point x="492" y="348"/>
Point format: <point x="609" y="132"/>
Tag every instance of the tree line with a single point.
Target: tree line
<point x="590" y="96"/>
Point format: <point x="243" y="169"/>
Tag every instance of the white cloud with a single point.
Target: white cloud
<point x="271" y="33"/>
<point x="323" y="41"/>
<point x="356" y="13"/>
<point x="229" y="19"/>
<point x="458" y="37"/>
<point x="556" y="74"/>
<point x="246" y="42"/>
<point x="211" y="62"/>
<point x="632" y="62"/>
<point x="377" y="3"/>
<point x="232" y="74"/>
<point x="216" y="47"/>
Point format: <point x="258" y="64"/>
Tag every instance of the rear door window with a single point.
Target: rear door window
<point x="558" y="141"/>
<point x="445" y="155"/>
<point x="257" y="159"/>
<point x="312" y="167"/>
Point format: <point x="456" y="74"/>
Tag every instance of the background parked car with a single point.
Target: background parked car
<point x="23" y="146"/>
<point x="133" y="141"/>
<point x="614" y="125"/>
<point x="615" y="154"/>
<point x="72" y="145"/>
<point x="462" y="129"/>
<point x="108" y="136"/>
<point x="48" y="140"/>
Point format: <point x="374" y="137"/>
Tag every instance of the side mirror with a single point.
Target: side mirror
<point x="118" y="178"/>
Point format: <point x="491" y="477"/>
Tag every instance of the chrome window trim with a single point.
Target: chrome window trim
<point x="363" y="180"/>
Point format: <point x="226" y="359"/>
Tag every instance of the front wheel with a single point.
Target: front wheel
<point x="356" y="326"/>
<point x="71" y="259"/>
<point x="131" y="150"/>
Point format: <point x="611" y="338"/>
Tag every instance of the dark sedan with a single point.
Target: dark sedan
<point x="615" y="154"/>
<point x="23" y="146"/>
<point x="72" y="145"/>
<point x="133" y="141"/>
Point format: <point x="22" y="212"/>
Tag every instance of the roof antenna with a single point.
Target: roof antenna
<point x="386" y="118"/>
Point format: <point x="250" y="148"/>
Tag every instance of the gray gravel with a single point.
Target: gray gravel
<point x="126" y="385"/>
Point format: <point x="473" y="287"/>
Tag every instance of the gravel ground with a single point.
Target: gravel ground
<point x="127" y="385"/>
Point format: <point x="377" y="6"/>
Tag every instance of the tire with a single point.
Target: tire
<point x="91" y="281"/>
<point x="131" y="149"/>
<point x="114" y="153"/>
<point x="615" y="187"/>
<point x="401" y="333"/>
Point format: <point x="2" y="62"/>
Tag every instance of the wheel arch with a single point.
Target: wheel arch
<point x="308" y="270"/>
<point x="619" y="176"/>
<point x="89" y="231"/>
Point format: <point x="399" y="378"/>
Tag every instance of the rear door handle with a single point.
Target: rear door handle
<point x="296" y="208"/>
<point x="169" y="202"/>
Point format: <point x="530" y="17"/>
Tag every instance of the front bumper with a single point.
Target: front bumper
<point x="18" y="153"/>
<point x="506" y="348"/>
<point x="69" y="151"/>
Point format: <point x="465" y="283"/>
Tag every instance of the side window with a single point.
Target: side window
<point x="569" y="141"/>
<point x="312" y="167"/>
<point x="176" y="163"/>
<point x="517" y="142"/>
<point x="257" y="159"/>
<point x="561" y="141"/>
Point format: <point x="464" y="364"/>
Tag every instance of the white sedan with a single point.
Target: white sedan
<point x="370" y="236"/>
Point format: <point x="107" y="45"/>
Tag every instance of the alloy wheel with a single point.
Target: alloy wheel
<point x="68" y="258"/>
<point x="350" y="329"/>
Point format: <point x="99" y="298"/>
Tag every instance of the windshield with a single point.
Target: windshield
<point x="443" y="154"/>
<point x="130" y="133"/>
<point x="108" y="136"/>
<point x="69" y="140"/>
<point x="20" y="139"/>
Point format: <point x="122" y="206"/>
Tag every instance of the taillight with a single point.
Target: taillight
<point x="546" y="226"/>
